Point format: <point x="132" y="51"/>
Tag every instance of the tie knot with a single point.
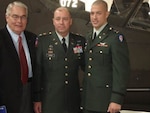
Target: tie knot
<point x="95" y="34"/>
<point x="19" y="38"/>
<point x="63" y="40"/>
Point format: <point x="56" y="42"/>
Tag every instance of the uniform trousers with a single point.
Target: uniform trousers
<point x="70" y="112"/>
<point x="26" y="103"/>
<point x="87" y="111"/>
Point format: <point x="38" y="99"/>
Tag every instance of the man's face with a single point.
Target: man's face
<point x="98" y="15"/>
<point x="62" y="22"/>
<point x="17" y="19"/>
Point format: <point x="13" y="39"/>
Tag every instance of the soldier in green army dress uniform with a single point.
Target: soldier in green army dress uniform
<point x="107" y="65"/>
<point x="56" y="84"/>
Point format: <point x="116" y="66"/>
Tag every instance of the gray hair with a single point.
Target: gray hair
<point x="16" y="3"/>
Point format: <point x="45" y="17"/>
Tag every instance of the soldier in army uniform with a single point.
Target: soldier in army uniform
<point x="59" y="56"/>
<point x="107" y="64"/>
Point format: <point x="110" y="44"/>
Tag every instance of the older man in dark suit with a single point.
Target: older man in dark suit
<point x="17" y="54"/>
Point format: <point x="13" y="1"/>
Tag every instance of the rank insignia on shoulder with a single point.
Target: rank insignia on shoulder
<point x="49" y="32"/>
<point x="120" y="38"/>
<point x="45" y="33"/>
<point x="42" y="34"/>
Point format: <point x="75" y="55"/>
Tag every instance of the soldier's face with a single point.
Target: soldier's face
<point x="62" y="22"/>
<point x="98" y="15"/>
<point x="17" y="19"/>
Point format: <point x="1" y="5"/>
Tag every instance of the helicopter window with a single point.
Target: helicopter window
<point x="135" y="13"/>
<point x="122" y="7"/>
<point x="141" y="18"/>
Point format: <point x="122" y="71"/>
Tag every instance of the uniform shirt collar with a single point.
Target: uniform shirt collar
<point x="99" y="30"/>
<point x="66" y="38"/>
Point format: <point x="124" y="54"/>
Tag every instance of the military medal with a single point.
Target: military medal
<point x="50" y="53"/>
<point x="102" y="44"/>
<point x="78" y="49"/>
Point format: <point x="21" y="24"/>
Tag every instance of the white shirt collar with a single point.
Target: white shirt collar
<point x="13" y="35"/>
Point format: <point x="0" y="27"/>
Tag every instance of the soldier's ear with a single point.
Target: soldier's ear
<point x="71" y="21"/>
<point x="107" y="14"/>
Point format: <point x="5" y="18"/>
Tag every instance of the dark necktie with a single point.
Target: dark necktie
<point x="64" y="44"/>
<point x="94" y="36"/>
<point x="23" y="62"/>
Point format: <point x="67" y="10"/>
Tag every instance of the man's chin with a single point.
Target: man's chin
<point x="61" y="31"/>
<point x="95" y="26"/>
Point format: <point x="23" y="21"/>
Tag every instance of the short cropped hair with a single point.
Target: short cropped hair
<point x="62" y="9"/>
<point x="97" y="2"/>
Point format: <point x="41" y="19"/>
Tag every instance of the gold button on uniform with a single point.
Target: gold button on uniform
<point x="66" y="74"/>
<point x="89" y="66"/>
<point x="90" y="59"/>
<point x="107" y="85"/>
<point x="89" y="74"/>
<point x="90" y="51"/>
<point x="101" y="51"/>
<point x="66" y="67"/>
<point x="66" y="59"/>
<point x="66" y="82"/>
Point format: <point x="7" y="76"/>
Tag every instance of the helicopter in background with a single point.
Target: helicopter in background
<point x="131" y="17"/>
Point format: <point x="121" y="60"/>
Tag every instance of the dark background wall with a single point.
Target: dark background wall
<point x="40" y="16"/>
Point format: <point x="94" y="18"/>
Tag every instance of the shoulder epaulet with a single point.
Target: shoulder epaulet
<point x="114" y="30"/>
<point x="119" y="35"/>
<point x="77" y="34"/>
<point x="44" y="34"/>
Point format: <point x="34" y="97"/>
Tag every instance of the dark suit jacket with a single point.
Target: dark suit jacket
<point x="10" y="72"/>
<point x="56" y="80"/>
<point x="107" y="70"/>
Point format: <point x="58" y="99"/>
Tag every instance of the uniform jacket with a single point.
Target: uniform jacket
<point x="56" y="80"/>
<point x="10" y="72"/>
<point x="107" y="70"/>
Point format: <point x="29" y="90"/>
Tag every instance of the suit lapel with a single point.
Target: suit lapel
<point x="10" y="45"/>
<point x="30" y="40"/>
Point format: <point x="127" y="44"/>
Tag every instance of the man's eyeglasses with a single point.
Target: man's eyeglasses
<point x="16" y="17"/>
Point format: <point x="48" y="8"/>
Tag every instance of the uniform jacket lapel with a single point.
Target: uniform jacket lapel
<point x="57" y="43"/>
<point x="59" y="46"/>
<point x="71" y="43"/>
<point x="101" y="36"/>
